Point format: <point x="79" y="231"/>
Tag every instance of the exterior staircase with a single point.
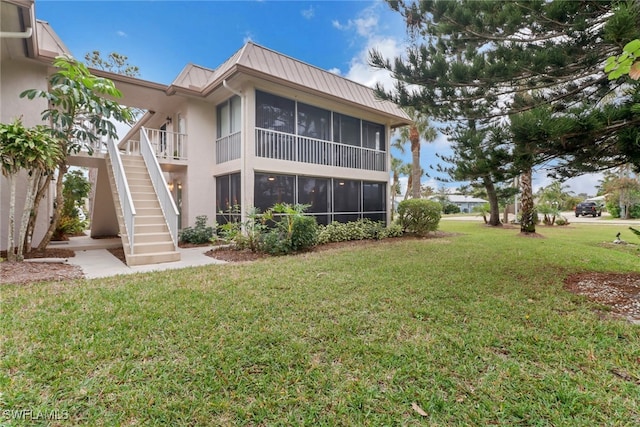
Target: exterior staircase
<point x="152" y="242"/>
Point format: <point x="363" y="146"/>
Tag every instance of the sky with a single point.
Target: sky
<point x="161" y="37"/>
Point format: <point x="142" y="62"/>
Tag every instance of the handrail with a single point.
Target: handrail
<point x="126" y="202"/>
<point x="159" y="184"/>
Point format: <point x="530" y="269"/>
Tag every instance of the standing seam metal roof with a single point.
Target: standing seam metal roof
<point x="269" y="62"/>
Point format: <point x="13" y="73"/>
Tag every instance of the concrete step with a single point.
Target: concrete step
<point x="152" y="247"/>
<point x="141" y="188"/>
<point x="150" y="228"/>
<point x="155" y="258"/>
<point x="138" y="179"/>
<point x="151" y="211"/>
<point x="142" y="204"/>
<point x="150" y="219"/>
<point x="160" y="237"/>
<point x="143" y="195"/>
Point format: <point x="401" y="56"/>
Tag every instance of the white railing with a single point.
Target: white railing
<point x="126" y="202"/>
<point x="168" y="145"/>
<point x="160" y="185"/>
<point x="228" y="147"/>
<point x="285" y="146"/>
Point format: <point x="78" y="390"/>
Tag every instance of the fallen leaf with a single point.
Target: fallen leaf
<point x="634" y="71"/>
<point x="419" y="410"/>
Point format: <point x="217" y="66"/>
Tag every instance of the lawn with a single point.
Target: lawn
<point x="470" y="329"/>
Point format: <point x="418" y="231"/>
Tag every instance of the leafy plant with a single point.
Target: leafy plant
<point x="451" y="208"/>
<point x="198" y="234"/>
<point x="419" y="216"/>
<point x="357" y="230"/>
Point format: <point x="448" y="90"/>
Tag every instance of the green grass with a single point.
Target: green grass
<point x="474" y="328"/>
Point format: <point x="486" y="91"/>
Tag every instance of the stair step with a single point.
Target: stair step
<point x="143" y="204"/>
<point x="140" y="195"/>
<point x="150" y="211"/>
<point x="150" y="219"/>
<point x="152" y="247"/>
<point x="155" y="258"/>
<point x="150" y="228"/>
<point x="159" y="237"/>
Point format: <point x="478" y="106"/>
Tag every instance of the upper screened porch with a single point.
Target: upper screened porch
<point x="290" y="130"/>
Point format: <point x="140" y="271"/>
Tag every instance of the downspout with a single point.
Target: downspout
<point x="17" y="35"/>
<point x="243" y="157"/>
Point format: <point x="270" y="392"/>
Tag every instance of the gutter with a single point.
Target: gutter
<point x="17" y="35"/>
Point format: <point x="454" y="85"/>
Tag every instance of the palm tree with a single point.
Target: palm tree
<point x="419" y="130"/>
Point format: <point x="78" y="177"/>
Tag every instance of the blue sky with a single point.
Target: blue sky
<point x="161" y="37"/>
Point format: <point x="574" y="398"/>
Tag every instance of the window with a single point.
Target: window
<point x="271" y="189"/>
<point x="228" y="198"/>
<point x="314" y="122"/>
<point x="330" y="199"/>
<point x="314" y="192"/>
<point x="346" y="195"/>
<point x="346" y="129"/>
<point x="373" y="136"/>
<point x="275" y="113"/>
<point x="228" y="116"/>
<point x="374" y="195"/>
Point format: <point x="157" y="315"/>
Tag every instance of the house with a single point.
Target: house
<point x="261" y="128"/>
<point x="464" y="202"/>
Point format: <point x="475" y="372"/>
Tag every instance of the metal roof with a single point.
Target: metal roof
<point x="255" y="58"/>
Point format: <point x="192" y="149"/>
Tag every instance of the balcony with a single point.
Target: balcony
<point x="228" y="147"/>
<point x="168" y="147"/>
<point x="284" y="146"/>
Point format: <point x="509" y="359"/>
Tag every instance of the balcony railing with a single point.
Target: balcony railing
<point x="228" y="147"/>
<point x="168" y="145"/>
<point x="284" y="146"/>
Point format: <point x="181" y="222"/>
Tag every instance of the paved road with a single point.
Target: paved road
<point x="605" y="219"/>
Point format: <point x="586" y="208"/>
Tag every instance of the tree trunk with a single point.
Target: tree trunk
<point x="409" y="186"/>
<point x="394" y="192"/>
<point x="43" y="186"/>
<point x="529" y="216"/>
<point x="62" y="170"/>
<point x="494" y="206"/>
<point x="505" y="214"/>
<point x="32" y="189"/>
<point x="416" y="170"/>
<point x="11" y="255"/>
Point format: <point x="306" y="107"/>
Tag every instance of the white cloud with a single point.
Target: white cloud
<point x="308" y="13"/>
<point x="122" y="33"/>
<point x="335" y="70"/>
<point x="248" y="37"/>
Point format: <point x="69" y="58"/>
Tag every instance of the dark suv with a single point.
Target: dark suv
<point x="588" y="208"/>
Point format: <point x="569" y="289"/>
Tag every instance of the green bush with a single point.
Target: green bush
<point x="304" y="234"/>
<point x="450" y="208"/>
<point x="562" y="221"/>
<point x="419" y="216"/>
<point x="199" y="234"/>
<point x="68" y="226"/>
<point x="357" y="230"/>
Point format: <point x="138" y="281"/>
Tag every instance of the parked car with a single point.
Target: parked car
<point x="588" y="208"/>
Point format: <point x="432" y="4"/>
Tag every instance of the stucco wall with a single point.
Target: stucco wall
<point x="15" y="77"/>
<point x="198" y="196"/>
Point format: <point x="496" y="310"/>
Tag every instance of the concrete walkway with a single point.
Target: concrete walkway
<point x="96" y="261"/>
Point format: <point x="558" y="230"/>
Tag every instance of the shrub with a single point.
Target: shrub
<point x="198" y="234"/>
<point x="419" y="216"/>
<point x="562" y="221"/>
<point x="357" y="230"/>
<point x="68" y="226"/>
<point x="304" y="234"/>
<point x="450" y="208"/>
